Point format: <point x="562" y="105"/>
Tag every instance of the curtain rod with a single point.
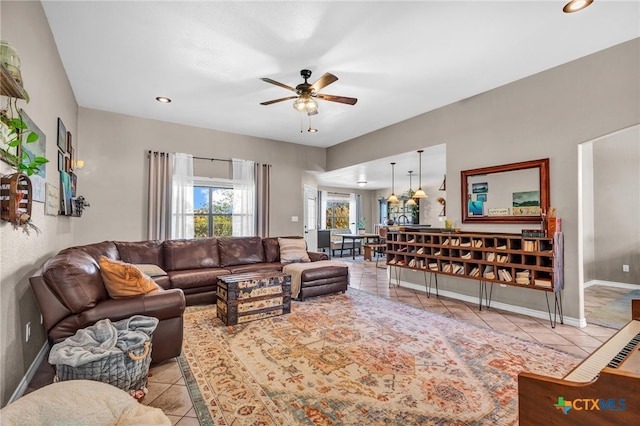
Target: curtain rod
<point x="195" y="158"/>
<point x="212" y="159"/>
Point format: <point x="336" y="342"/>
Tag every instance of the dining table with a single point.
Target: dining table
<point x="354" y="238"/>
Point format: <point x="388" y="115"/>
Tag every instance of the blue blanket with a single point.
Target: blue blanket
<point x="103" y="339"/>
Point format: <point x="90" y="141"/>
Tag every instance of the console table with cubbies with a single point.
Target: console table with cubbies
<point x="533" y="263"/>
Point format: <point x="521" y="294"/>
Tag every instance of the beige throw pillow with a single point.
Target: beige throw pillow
<point x="123" y="279"/>
<point x="151" y="269"/>
<point x="293" y="250"/>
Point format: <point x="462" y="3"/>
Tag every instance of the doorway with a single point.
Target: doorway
<point x="310" y="212"/>
<point x="609" y="230"/>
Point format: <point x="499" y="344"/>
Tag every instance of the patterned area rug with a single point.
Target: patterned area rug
<point x="359" y="359"/>
<point x="614" y="314"/>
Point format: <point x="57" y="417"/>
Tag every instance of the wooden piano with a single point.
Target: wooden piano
<point x="604" y="389"/>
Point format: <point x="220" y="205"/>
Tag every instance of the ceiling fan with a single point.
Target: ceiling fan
<point x="304" y="100"/>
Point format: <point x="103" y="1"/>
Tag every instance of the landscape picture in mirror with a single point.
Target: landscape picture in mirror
<point x="509" y="193"/>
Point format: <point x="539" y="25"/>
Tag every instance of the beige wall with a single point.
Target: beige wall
<point x="545" y="115"/>
<point x="616" y="207"/>
<point x="25" y="26"/>
<point x="114" y="178"/>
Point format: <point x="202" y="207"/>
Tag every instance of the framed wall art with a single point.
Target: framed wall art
<point x="74" y="184"/>
<point x="52" y="200"/>
<point x="66" y="208"/>
<point x="479" y="188"/>
<point x="29" y="151"/>
<point x="62" y="136"/>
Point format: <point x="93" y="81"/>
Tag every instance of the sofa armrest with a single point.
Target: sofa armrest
<point x="316" y="256"/>
<point x="162" y="304"/>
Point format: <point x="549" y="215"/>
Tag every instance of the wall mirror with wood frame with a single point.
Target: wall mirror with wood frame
<point x="509" y="193"/>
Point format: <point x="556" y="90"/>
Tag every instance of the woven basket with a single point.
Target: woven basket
<point x="127" y="371"/>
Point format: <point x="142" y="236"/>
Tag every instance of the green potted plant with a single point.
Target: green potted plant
<point x="362" y="224"/>
<point x="17" y="132"/>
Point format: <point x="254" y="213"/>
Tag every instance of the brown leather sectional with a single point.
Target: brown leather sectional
<point x="71" y="294"/>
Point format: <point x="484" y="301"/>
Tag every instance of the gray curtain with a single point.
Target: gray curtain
<point x="159" y="208"/>
<point x="263" y="198"/>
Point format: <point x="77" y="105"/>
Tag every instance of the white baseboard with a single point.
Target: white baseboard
<point x="575" y="322"/>
<point x="24" y="383"/>
<point x="612" y="284"/>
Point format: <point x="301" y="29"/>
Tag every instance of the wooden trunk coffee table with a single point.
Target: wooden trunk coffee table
<point x="252" y="296"/>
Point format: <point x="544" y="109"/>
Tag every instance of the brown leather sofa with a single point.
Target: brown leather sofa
<point x="71" y="294"/>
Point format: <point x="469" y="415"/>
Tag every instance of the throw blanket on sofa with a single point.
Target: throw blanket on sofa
<point x="103" y="339"/>
<point x="296" y="269"/>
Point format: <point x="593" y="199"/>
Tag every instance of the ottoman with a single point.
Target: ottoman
<point x="317" y="278"/>
<point x="252" y="296"/>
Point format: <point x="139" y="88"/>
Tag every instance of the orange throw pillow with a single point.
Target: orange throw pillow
<point x="123" y="279"/>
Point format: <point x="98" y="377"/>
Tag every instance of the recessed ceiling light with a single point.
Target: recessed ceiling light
<point x="362" y="182"/>
<point x="310" y="130"/>
<point x="576" y="5"/>
<point x="163" y="99"/>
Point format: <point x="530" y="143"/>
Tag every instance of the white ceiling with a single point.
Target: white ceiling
<point x="400" y="59"/>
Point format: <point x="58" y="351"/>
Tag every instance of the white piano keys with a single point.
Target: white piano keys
<point x="591" y="366"/>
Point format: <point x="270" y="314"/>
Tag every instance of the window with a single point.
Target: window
<point x="337" y="214"/>
<point x="213" y="211"/>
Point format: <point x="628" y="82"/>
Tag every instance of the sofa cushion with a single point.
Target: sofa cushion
<point x="196" y="278"/>
<point x="123" y="279"/>
<point x="74" y="277"/>
<point x="140" y="252"/>
<point x="240" y="250"/>
<point x="163" y="281"/>
<point x="293" y="250"/>
<point x="191" y="254"/>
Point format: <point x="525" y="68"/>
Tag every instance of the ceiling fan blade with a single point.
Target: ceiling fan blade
<point x="323" y="81"/>
<point x="277" y="83"/>
<point x="278" y="100"/>
<point x="341" y="99"/>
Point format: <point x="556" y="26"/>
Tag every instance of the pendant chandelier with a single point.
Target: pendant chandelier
<point x="410" y="201"/>
<point x="392" y="198"/>
<point x="420" y="192"/>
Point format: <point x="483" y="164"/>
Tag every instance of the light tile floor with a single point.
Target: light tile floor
<point x="168" y="391"/>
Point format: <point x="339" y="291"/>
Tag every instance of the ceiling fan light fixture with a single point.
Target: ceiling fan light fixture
<point x="305" y="104"/>
<point x="576" y="5"/>
<point x="306" y="93"/>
